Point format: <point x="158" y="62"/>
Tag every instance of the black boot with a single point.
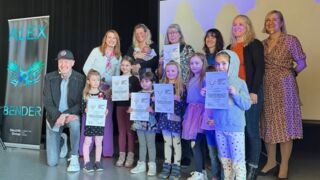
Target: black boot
<point x="251" y="173"/>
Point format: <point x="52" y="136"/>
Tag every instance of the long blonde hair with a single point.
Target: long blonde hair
<point x="146" y="30"/>
<point x="92" y="72"/>
<point x="179" y="87"/>
<point x="283" y="27"/>
<point x="204" y="67"/>
<point x="249" y="35"/>
<point x="103" y="45"/>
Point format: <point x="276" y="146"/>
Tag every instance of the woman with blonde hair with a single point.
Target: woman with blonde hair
<point x="106" y="60"/>
<point x="250" y="52"/>
<point x="281" y="114"/>
<point x="143" y="51"/>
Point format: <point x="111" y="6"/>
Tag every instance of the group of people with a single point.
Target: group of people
<point x="263" y="102"/>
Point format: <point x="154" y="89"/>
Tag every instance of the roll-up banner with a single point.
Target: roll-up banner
<point x="27" y="64"/>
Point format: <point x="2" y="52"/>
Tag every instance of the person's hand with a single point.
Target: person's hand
<point x="149" y="109"/>
<point x="210" y="122"/>
<point x="203" y="91"/>
<point x="177" y="98"/>
<point x="135" y="68"/>
<point x="61" y="120"/>
<point x="106" y="113"/>
<point x="86" y="110"/>
<point x="161" y="60"/>
<point x="71" y="117"/>
<point x="129" y="110"/>
<point x="139" y="55"/>
<point x="254" y="98"/>
<point x="232" y="90"/>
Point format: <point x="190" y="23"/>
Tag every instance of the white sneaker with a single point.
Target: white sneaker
<point x="196" y="176"/>
<point x="64" y="148"/>
<point x="152" y="169"/>
<point x="141" y="167"/>
<point x="74" y="165"/>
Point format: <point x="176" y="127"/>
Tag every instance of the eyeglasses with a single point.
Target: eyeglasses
<point x="173" y="33"/>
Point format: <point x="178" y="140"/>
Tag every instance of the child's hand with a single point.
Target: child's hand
<point x="161" y="60"/>
<point x="177" y="98"/>
<point x="254" y="98"/>
<point x="153" y="98"/>
<point x="129" y="110"/>
<point x="232" y="90"/>
<point x="86" y="110"/>
<point x="203" y="91"/>
<point x="106" y="113"/>
<point x="210" y="122"/>
<point x="149" y="109"/>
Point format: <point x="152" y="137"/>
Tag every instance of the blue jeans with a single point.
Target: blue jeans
<point x="199" y="152"/>
<point x="252" y="133"/>
<point x="216" y="168"/>
<point x="53" y="141"/>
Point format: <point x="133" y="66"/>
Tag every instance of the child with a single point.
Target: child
<point x="146" y="131"/>
<point x="91" y="91"/>
<point x="123" y="118"/>
<point x="230" y="123"/>
<point x="208" y="126"/>
<point x="193" y="117"/>
<point x="170" y="124"/>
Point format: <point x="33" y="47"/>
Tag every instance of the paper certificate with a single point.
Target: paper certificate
<point x="139" y="104"/>
<point x="171" y="52"/>
<point x="164" y="98"/>
<point x="96" y="113"/>
<point x="120" y="88"/>
<point x="217" y="96"/>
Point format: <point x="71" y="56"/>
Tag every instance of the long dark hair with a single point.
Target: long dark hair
<point x="219" y="41"/>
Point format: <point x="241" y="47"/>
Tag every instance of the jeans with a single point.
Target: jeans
<point x="53" y="141"/>
<point x="252" y="133"/>
<point x="199" y="152"/>
<point x="216" y="168"/>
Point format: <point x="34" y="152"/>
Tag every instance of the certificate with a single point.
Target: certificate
<point x="120" y="88"/>
<point x="217" y="96"/>
<point x="171" y="52"/>
<point x="96" y="113"/>
<point x="139" y="104"/>
<point x="164" y="98"/>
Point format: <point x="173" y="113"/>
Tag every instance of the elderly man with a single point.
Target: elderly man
<point x="62" y="100"/>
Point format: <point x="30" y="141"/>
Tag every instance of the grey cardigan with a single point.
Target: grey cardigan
<point x="51" y="95"/>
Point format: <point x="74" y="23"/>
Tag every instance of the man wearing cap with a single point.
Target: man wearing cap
<point x="62" y="100"/>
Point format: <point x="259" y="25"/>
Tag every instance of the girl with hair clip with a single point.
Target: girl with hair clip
<point x="194" y="114"/>
<point x="250" y="52"/>
<point x="123" y="118"/>
<point x="170" y="124"/>
<point x="91" y="91"/>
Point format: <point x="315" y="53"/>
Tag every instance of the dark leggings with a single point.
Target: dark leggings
<point x="199" y="152"/>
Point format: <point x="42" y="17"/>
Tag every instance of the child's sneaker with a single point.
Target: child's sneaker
<point x="88" y="167"/>
<point x="122" y="157"/>
<point x="205" y="175"/>
<point x="165" y="172"/>
<point x="152" y="169"/>
<point x="129" y="160"/>
<point x="141" y="167"/>
<point x="98" y="166"/>
<point x="196" y="176"/>
<point x="175" y="172"/>
<point x="74" y="165"/>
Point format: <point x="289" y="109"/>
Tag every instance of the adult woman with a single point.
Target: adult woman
<point x="213" y="43"/>
<point x="143" y="50"/>
<point x="106" y="60"/>
<point x="173" y="36"/>
<point x="281" y="114"/>
<point x="250" y="52"/>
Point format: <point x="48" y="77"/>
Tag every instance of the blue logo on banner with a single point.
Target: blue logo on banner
<point x="31" y="76"/>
